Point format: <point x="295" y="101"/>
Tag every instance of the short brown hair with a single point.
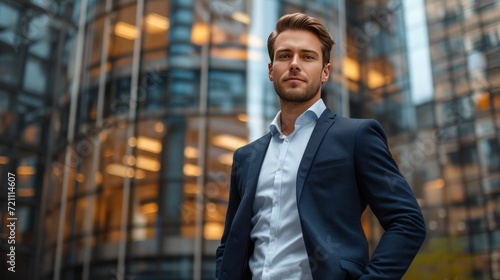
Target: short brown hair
<point x="300" y="21"/>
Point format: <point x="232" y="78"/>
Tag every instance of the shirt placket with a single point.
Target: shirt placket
<point x="275" y="213"/>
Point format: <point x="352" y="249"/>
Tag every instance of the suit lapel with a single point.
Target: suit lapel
<point x="255" y="163"/>
<point x="324" y="123"/>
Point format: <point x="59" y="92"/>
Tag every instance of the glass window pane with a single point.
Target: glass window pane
<point x="226" y="90"/>
<point x="9" y="70"/>
<point x="35" y="76"/>
<point x="156" y="26"/>
<point x="491" y="150"/>
<point x="4" y="164"/>
<point x="5" y="113"/>
<point x="226" y="134"/>
<point x="38" y="28"/>
<point x="25" y="226"/>
<point x="28" y="173"/>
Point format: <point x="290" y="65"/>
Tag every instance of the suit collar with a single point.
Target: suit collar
<point x="324" y="123"/>
<point x="258" y="152"/>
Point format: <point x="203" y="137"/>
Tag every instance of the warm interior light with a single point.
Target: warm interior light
<point x="159" y="127"/>
<point x="98" y="177"/>
<point x="132" y="141"/>
<point x="130" y="160"/>
<point x="25" y="192"/>
<point x="139" y="174"/>
<point x="191" y="170"/>
<point x="190" y="152"/>
<point x="217" y="35"/>
<point x="435" y="184"/>
<point x="156" y="23"/>
<point x="211" y="207"/>
<point x="25" y="170"/>
<point x="129" y="172"/>
<point x="125" y="30"/>
<point x="351" y="69"/>
<point x="200" y="34"/>
<point x="226" y="159"/>
<point x="229" y="53"/>
<point x="96" y="70"/>
<point x="148" y="208"/>
<point x="149" y="144"/>
<point x="4" y="160"/>
<point x="121" y="170"/>
<point x="80" y="178"/>
<point x="213" y="231"/>
<point x="103" y="136"/>
<point x="243" y="117"/>
<point x="147" y="163"/>
<point x="108" y="153"/>
<point x="229" y="142"/>
<point x="375" y="79"/>
<point x="483" y="101"/>
<point x="190" y="189"/>
<point x="241" y="17"/>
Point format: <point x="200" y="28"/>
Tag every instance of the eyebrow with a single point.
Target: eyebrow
<point x="302" y="50"/>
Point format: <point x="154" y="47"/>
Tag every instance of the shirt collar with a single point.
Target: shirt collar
<point x="310" y="115"/>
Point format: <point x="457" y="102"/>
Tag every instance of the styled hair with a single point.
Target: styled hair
<point x="300" y="21"/>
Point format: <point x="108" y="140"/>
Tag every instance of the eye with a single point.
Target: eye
<point x="284" y="56"/>
<point x="308" y="57"/>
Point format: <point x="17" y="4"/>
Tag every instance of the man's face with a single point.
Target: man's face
<point x="297" y="71"/>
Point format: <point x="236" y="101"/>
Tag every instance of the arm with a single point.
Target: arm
<point x="234" y="201"/>
<point x="392" y="201"/>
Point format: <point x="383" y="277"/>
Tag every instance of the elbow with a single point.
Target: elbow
<point x="421" y="230"/>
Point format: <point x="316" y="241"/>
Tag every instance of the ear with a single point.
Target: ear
<point x="326" y="73"/>
<point x="270" y="71"/>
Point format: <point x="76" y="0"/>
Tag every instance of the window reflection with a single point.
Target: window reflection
<point x="27" y="176"/>
<point x="145" y="210"/>
<point x="157" y="25"/>
<point x="122" y="41"/>
<point x="94" y="42"/>
<point x="36" y="76"/>
<point x="164" y="166"/>
<point x="491" y="148"/>
<point x="226" y="90"/>
<point x="226" y="135"/>
<point x="457" y="220"/>
<point x="5" y="113"/>
<point x="110" y="207"/>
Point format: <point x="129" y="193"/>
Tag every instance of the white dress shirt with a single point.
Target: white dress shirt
<point x="279" y="251"/>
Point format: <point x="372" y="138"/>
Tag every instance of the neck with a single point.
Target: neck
<point x="290" y="111"/>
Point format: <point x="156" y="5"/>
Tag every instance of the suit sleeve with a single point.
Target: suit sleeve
<point x="233" y="203"/>
<point x="391" y="199"/>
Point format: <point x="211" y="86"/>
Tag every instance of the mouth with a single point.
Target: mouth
<point x="294" y="79"/>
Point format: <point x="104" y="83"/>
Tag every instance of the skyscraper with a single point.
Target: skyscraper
<point x="119" y="120"/>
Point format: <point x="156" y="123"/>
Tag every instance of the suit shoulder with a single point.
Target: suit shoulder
<point x="355" y="123"/>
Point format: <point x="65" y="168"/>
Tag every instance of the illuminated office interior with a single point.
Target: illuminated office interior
<point x="120" y="118"/>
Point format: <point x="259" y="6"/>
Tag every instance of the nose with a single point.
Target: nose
<point x="294" y="63"/>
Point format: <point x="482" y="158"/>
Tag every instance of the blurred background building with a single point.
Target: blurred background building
<point x="120" y="117"/>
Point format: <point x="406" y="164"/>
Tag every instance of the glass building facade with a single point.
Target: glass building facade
<point x="119" y="119"/>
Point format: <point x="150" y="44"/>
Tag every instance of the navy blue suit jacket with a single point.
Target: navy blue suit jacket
<point x="345" y="167"/>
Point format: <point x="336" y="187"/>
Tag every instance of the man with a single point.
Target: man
<point x="297" y="194"/>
